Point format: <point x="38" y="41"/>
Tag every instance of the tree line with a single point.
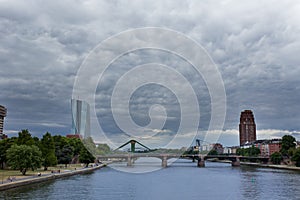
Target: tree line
<point x="288" y="151"/>
<point x="26" y="152"/>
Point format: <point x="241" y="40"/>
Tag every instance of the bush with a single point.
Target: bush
<point x="276" y="158"/>
<point x="296" y="157"/>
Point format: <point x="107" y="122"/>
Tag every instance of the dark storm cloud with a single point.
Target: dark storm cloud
<point x="254" y="44"/>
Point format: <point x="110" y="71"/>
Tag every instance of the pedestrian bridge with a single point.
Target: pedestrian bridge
<point x="200" y="158"/>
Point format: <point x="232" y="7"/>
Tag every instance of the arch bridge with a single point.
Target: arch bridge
<point x="132" y="155"/>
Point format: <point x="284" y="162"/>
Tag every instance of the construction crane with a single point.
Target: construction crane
<point x="194" y="149"/>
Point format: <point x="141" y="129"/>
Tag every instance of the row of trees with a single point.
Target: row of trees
<point x="26" y="152"/>
<point x="288" y="151"/>
<point x="251" y="151"/>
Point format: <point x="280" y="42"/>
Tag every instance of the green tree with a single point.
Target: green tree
<point x="76" y="144"/>
<point x="253" y="151"/>
<point x="296" y="157"/>
<point x="276" y="158"/>
<point x="59" y="143"/>
<point x="90" y="145"/>
<point x="103" y="149"/>
<point x="213" y="152"/>
<point x="287" y="143"/>
<point x="240" y="152"/>
<point x="65" y="155"/>
<point x="86" y="157"/>
<point x="36" y="141"/>
<point x="5" y="144"/>
<point x="24" y="157"/>
<point x="48" y="151"/>
<point x="25" y="138"/>
<point x="291" y="152"/>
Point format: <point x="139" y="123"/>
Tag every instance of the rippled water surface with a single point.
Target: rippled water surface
<point x="182" y="180"/>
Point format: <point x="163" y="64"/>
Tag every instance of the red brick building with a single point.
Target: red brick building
<point x="266" y="147"/>
<point x="274" y="146"/>
<point x="247" y="127"/>
<point x="74" y="136"/>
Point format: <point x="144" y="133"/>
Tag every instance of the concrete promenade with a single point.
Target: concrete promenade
<point x="271" y="166"/>
<point x="285" y="167"/>
<point x="47" y="177"/>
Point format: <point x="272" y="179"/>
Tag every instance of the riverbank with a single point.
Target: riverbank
<point x="287" y="167"/>
<point x="48" y="177"/>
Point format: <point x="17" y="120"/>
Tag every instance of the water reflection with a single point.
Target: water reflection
<point x="182" y="180"/>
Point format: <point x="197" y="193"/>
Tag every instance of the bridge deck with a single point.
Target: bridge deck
<point x="168" y="156"/>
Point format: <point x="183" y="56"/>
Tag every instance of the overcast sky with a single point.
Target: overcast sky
<point x="255" y="46"/>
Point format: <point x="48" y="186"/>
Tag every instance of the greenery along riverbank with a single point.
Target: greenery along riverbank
<point x="9" y="175"/>
<point x="42" y="177"/>
<point x="25" y="152"/>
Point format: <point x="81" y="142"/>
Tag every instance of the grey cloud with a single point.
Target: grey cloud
<point x="255" y="45"/>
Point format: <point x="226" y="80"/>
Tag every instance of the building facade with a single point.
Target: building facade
<point x="230" y="150"/>
<point x="266" y="147"/>
<point x="2" y="115"/>
<point x="218" y="147"/>
<point x="80" y="118"/>
<point x="274" y="146"/>
<point x="247" y="127"/>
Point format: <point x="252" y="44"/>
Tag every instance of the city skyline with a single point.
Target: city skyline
<point x="43" y="46"/>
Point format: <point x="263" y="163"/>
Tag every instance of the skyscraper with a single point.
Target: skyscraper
<point x="2" y="115"/>
<point x="80" y="118"/>
<point x="247" y="127"/>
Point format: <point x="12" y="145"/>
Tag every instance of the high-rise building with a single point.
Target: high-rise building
<point x="80" y="118"/>
<point x="2" y="115"/>
<point x="247" y="127"/>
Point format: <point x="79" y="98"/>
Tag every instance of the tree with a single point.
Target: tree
<point x="48" y="151"/>
<point x="253" y="151"/>
<point x="86" y="157"/>
<point x="59" y="142"/>
<point x="5" y="144"/>
<point x="103" y="149"/>
<point x="213" y="152"/>
<point x="36" y="141"/>
<point x="90" y="145"/>
<point x="24" y="157"/>
<point x="296" y="157"/>
<point x="25" y="138"/>
<point x="240" y="151"/>
<point x="77" y="145"/>
<point x="276" y="158"/>
<point x="287" y="143"/>
<point x="65" y="155"/>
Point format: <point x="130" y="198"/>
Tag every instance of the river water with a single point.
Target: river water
<point x="182" y="180"/>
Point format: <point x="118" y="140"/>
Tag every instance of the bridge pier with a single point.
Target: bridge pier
<point x="236" y="163"/>
<point x="129" y="161"/>
<point x="201" y="162"/>
<point x="164" y="162"/>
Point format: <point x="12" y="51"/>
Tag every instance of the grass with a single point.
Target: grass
<point x="6" y="173"/>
